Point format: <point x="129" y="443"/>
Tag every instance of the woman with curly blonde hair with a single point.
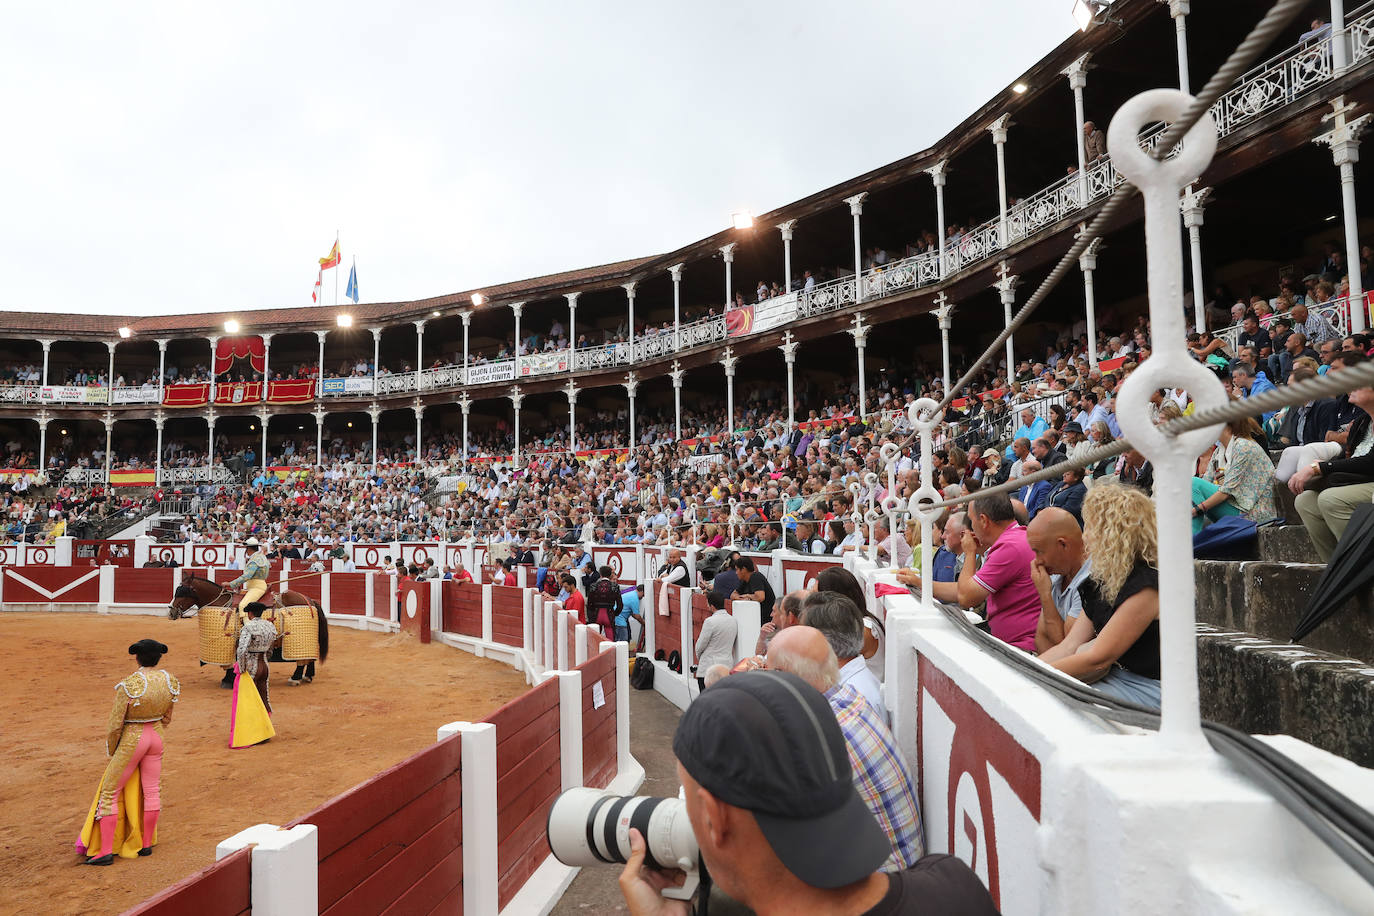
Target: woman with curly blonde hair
<point x="1114" y="643"/>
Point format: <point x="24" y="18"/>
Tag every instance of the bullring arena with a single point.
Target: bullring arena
<point x="375" y="702"/>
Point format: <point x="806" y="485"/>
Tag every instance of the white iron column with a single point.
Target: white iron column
<point x="677" y="375"/>
<point x="1340" y="38"/>
<point x="786" y="230"/>
<point x="572" y="330"/>
<point x="728" y="253"/>
<point x="729" y="360"/>
<point x="267" y="366"/>
<point x="518" y="308"/>
<point x="159" y="421"/>
<point x="571" y="392"/>
<point x="1191" y="204"/>
<point x="998" y="129"/>
<point x="1179" y="9"/>
<point x="161" y="366"/>
<point x="109" y="379"/>
<point x="1006" y="288"/>
<point x="210" y="428"/>
<point x="631" y="388"/>
<point x="515" y="398"/>
<point x="1077" y="72"/>
<point x="214" y="343"/>
<point x="419" y="410"/>
<point x="1087" y="262"/>
<point x="376" y="356"/>
<point x="1343" y="139"/>
<point x="859" y="331"/>
<point x="109" y="421"/>
<point x="630" y="304"/>
<point x="43" y="418"/>
<point x="375" y="413"/>
<point x="47" y="348"/>
<point x="465" y="403"/>
<point x="419" y="350"/>
<point x="789" y="353"/>
<point x="319" y="437"/>
<point x="466" y="316"/>
<point x="856" y="209"/>
<point x="937" y="177"/>
<point x="676" y="273"/>
<point x="944" y="309"/>
<point x="264" y="417"/>
<point x="319" y="387"/>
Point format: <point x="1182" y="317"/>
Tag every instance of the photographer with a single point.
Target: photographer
<point x="769" y="795"/>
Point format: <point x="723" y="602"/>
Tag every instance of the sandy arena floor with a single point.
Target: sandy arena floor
<point x="376" y="701"/>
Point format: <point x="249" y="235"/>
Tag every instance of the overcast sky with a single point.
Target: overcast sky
<point x="174" y="157"/>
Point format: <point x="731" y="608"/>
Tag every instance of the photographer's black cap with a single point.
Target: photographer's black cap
<point x="768" y="742"/>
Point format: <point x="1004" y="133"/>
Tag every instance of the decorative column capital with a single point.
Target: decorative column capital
<point x="572" y="300"/>
<point x="210" y="419"/>
<point x="515" y="396"/>
<point x="518" y="308"/>
<point x="1191" y="204"/>
<point x="728" y="252"/>
<point x="571" y="390"/>
<point x="943" y="311"/>
<point x="728" y="359"/>
<point x="856" y="203"/>
<point x="786" y="229"/>
<point x="108" y="418"/>
<point x="45" y="417"/>
<point x="159" y="420"/>
<point x="1006" y="283"/>
<point x="47" y="343"/>
<point x="1344" y="136"/>
<point x="375" y="412"/>
<point x="162" y="343"/>
<point x="998" y="128"/>
<point x="110" y="345"/>
<point x="1178" y="8"/>
<point x="859" y="331"/>
<point x="214" y="341"/>
<point x="320" y="414"/>
<point x="1087" y="261"/>
<point x="789" y="347"/>
<point x="264" y="416"/>
<point x="677" y="373"/>
<point x="420" y="325"/>
<point x="266" y="338"/>
<point x="465" y="403"/>
<point x="376" y="334"/>
<point x="1077" y="72"/>
<point x="418" y="409"/>
<point x="631" y="384"/>
<point x="676" y="272"/>
<point x="322" y="335"/>
<point x="938" y="171"/>
<point x="630" y="288"/>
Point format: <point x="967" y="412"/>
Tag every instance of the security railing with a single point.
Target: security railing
<point x="213" y="474"/>
<point x="1334" y="312"/>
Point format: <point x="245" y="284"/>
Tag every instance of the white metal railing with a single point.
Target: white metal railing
<point x="1334" y="311"/>
<point x="215" y="474"/>
<point x="397" y="382"/>
<point x="83" y="476"/>
<point x="18" y="394"/>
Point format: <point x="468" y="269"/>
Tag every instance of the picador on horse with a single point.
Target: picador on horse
<point x="299" y="620"/>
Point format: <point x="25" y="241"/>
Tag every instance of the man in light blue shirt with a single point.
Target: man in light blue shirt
<point x="1032" y="428"/>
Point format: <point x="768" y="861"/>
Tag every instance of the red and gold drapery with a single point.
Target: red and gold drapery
<point x="291" y="391"/>
<point x="231" y="348"/>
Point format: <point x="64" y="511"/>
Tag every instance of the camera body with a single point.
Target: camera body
<point x="591" y="827"/>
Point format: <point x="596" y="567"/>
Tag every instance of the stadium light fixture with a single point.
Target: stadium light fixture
<point x="345" y="321"/>
<point x="1019" y="88"/>
<point x="64" y="432"/>
<point x="1088" y="13"/>
<point x="434" y="314"/>
<point x="742" y="219"/>
<point x="477" y="299"/>
<point x="1331" y="217"/>
<point x="231" y="326"/>
<point x="350" y="424"/>
<point x="126" y="333"/>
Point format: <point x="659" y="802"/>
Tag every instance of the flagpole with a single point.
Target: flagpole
<point x="336" y="271"/>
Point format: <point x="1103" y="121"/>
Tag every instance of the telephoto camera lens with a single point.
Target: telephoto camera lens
<point x="590" y="827"/>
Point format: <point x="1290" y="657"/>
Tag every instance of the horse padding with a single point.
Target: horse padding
<point x="300" y="631"/>
<point x="219" y="634"/>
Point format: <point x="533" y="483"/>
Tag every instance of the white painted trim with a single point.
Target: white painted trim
<point x="570" y="727"/>
<point x="107" y="583"/>
<point x="285" y="864"/>
<point x="580" y="643"/>
<point x="564" y="621"/>
<point x="368" y="603"/>
<point x="479" y="818"/>
<point x="622" y="709"/>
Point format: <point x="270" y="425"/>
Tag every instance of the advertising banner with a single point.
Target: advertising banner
<point x="491" y="372"/>
<point x="544" y="363"/>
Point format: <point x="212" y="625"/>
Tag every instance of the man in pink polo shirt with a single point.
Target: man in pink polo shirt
<point x="1004" y="580"/>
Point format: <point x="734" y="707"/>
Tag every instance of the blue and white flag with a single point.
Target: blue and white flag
<point x="352" y="291"/>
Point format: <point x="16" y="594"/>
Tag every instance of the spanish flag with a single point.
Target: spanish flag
<point x="332" y="259"/>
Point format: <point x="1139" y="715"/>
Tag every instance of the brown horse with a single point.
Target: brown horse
<point x="196" y="592"/>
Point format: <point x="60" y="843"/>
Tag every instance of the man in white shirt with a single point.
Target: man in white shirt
<point x="841" y="622"/>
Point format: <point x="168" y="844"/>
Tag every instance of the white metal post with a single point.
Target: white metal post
<point x="109" y="421"/>
<point x="319" y="385"/>
<point x="676" y="273"/>
<point x="676" y="374"/>
<point x="729" y="360"/>
<point x="630" y="303"/>
<point x="1087" y="262"/>
<point x="728" y="253"/>
<point x="944" y="309"/>
<point x="263" y="418"/>
<point x="376" y="356"/>
<point x="1340" y="38"/>
<point x="571" y="391"/>
<point x="319" y="437"/>
<point x="109" y="379"/>
<point x="419" y="414"/>
<point x="158" y="421"/>
<point x="998" y="129"/>
<point x="632" y="386"/>
<point x="786" y="229"/>
<point x="1179" y="10"/>
<point x="376" y="413"/>
<point x="789" y="353"/>
<point x="859" y="331"/>
<point x="515" y="398"/>
<point x="43" y="418"/>
<point x="1343" y="139"/>
<point x="856" y="209"/>
<point x="465" y="403"/>
<point x="466" y="317"/>
<point x="517" y="308"/>
<point x="47" y="349"/>
<point x="419" y="350"/>
<point x="1006" y="289"/>
<point x="937" y="177"/>
<point x="572" y="330"/>
<point x="1077" y="72"/>
<point x="267" y="366"/>
<point x="1191" y="205"/>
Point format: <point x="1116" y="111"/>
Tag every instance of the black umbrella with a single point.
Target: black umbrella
<point x="1350" y="569"/>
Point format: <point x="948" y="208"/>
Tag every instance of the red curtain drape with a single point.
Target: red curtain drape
<point x="231" y="348"/>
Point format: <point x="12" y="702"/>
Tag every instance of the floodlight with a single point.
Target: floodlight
<point x="345" y="321"/>
<point x="125" y="333"/>
<point x="231" y="326"/>
<point x="477" y="299"/>
<point x="742" y="219"/>
<point x="1019" y="88"/>
<point x="1085" y="13"/>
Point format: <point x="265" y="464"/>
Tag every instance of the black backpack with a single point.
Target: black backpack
<point x="642" y="677"/>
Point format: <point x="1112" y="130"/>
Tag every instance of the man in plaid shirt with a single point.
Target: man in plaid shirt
<point x="880" y="774"/>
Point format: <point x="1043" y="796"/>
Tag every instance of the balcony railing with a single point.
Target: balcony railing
<point x="1265" y="88"/>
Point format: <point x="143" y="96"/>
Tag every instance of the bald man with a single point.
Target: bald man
<point x="1061" y="565"/>
<point x="880" y="774"/>
<point x="786" y="613"/>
